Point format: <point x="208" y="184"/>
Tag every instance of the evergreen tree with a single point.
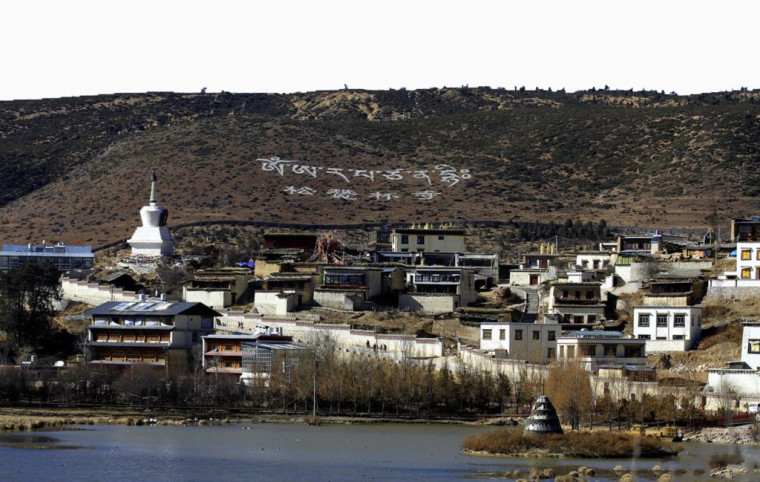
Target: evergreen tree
<point x="27" y="294"/>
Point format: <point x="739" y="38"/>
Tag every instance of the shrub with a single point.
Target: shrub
<point x="598" y="444"/>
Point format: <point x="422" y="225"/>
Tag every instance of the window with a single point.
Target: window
<point x="758" y="254"/>
<point x="577" y="319"/>
<point x="746" y="254"/>
<point x="754" y="346"/>
<point x="440" y="238"/>
<point x="679" y="337"/>
<point x="518" y="334"/>
<point x="589" y="295"/>
<point x="564" y="293"/>
<point x="577" y="295"/>
<point x="661" y="338"/>
<point x="644" y="337"/>
<point x="746" y="273"/>
<point x="536" y="335"/>
<point x="644" y="321"/>
<point x="502" y="334"/>
<point x="487" y="334"/>
<point x="591" y="318"/>
<point x="420" y="239"/>
<point x="662" y="320"/>
<point x="679" y="320"/>
<point x="551" y="353"/>
<point x="632" y="351"/>
<point x="551" y="335"/>
<point x="404" y="239"/>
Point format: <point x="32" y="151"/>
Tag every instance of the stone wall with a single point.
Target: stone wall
<point x="731" y="292"/>
<point x="428" y="304"/>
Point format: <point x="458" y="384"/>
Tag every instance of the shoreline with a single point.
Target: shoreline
<point x="33" y="418"/>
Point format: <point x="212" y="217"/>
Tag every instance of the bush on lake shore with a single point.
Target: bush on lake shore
<point x="598" y="444"/>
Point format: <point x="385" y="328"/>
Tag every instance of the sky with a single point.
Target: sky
<point x="81" y="47"/>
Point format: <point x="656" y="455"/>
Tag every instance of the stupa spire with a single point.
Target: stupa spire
<point x="153" y="179"/>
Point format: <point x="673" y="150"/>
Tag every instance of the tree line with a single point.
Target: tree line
<point x="358" y="385"/>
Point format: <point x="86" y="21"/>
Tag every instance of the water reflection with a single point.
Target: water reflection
<point x="27" y="441"/>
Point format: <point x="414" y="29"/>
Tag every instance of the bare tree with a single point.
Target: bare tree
<point x="569" y="387"/>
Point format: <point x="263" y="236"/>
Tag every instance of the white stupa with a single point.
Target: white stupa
<point x="153" y="237"/>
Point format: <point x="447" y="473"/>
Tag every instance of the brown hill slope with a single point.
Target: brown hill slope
<point x="78" y="169"/>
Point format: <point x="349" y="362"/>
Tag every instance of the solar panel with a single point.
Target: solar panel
<point x="162" y="305"/>
<point x="123" y="306"/>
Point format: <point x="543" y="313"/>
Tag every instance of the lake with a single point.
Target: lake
<point x="299" y="452"/>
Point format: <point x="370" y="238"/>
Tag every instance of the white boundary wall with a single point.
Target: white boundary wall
<point x="343" y="335"/>
<point x="93" y="294"/>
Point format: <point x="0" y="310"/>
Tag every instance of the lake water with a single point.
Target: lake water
<point x="299" y="452"/>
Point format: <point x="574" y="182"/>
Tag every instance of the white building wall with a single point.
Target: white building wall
<point x="212" y="298"/>
<point x="586" y="260"/>
<point x="751" y="345"/>
<point x="534" y="342"/>
<point x="92" y="293"/>
<point x="520" y="277"/>
<point x="744" y="383"/>
<point x="748" y="260"/>
<point x="691" y="330"/>
<point x="342" y="335"/>
<point x="442" y="243"/>
<point x="274" y="302"/>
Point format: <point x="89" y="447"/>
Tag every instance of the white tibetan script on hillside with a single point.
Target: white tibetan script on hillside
<point x="441" y="173"/>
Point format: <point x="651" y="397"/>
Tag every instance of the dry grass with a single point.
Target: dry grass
<point x="597" y="444"/>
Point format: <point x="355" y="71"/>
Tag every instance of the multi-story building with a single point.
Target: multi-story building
<point x="217" y="288"/>
<point x="63" y="257"/>
<point x="443" y="239"/>
<point x="745" y="229"/>
<point x="576" y="303"/>
<point x="596" y="260"/>
<point x="438" y="290"/>
<point x="486" y="267"/>
<point x="534" y="342"/>
<point x="535" y="267"/>
<point x="746" y="233"/>
<point x="348" y="287"/>
<point x="668" y="328"/>
<point x="158" y="333"/>
<point x="300" y="284"/>
<point x="601" y="349"/>
<point x="223" y="353"/>
<point x="738" y="385"/>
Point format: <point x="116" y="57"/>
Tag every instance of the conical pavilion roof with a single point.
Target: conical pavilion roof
<point x="543" y="418"/>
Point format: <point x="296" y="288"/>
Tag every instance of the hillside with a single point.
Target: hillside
<point x="77" y="169"/>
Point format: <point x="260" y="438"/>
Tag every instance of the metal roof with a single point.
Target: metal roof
<point x="45" y="250"/>
<point x="150" y="308"/>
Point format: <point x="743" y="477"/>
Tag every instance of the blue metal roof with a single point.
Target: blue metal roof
<point x="57" y="250"/>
